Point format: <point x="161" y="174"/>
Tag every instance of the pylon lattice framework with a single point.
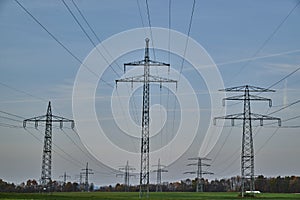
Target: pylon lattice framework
<point x="199" y="172"/>
<point x="159" y="170"/>
<point x="247" y="155"/>
<point x="86" y="172"/>
<point x="65" y="176"/>
<point x="126" y="169"/>
<point x="47" y="149"/>
<point x="146" y="79"/>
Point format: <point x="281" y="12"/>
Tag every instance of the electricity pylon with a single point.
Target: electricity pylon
<point x="86" y="173"/>
<point x="199" y="172"/>
<point x="159" y="170"/>
<point x="247" y="156"/>
<point x="146" y="79"/>
<point x="126" y="169"/>
<point x="65" y="176"/>
<point x="47" y="149"/>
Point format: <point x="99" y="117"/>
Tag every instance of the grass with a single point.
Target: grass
<point x="133" y="195"/>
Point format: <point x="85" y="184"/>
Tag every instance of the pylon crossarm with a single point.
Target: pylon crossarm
<point x="152" y="79"/>
<point x="232" y="116"/>
<point x="197" y="158"/>
<point x="189" y="172"/>
<point x="143" y="62"/>
<point x="35" y="118"/>
<point x="248" y="87"/>
<point x="132" y="79"/>
<point x="251" y="97"/>
<point x="58" y="118"/>
<point x="205" y="172"/>
<point x="160" y="79"/>
<point x="160" y="170"/>
<point x="239" y="116"/>
<point x="261" y="118"/>
<point x="234" y="98"/>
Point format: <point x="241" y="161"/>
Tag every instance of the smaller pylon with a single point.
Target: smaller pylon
<point x="199" y="172"/>
<point x="247" y="155"/>
<point x="159" y="170"/>
<point x="86" y="173"/>
<point x="49" y="119"/>
<point x="126" y="169"/>
<point x="65" y="176"/>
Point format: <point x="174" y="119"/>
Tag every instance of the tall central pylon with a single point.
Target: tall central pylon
<point x="146" y="79"/>
<point x="247" y="155"/>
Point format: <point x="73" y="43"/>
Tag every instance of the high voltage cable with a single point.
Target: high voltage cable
<point x="187" y="38"/>
<point x="6" y="125"/>
<point x="74" y="161"/>
<point x="285" y="77"/>
<point x="24" y="92"/>
<point x="259" y="149"/>
<point x="87" y="35"/>
<point x="8" y="118"/>
<point x="21" y="91"/>
<point x="140" y="12"/>
<point x="269" y="38"/>
<point x="267" y="141"/>
<point x="219" y="151"/>
<point x="277" y="82"/>
<point x="183" y="58"/>
<point x="86" y="21"/>
<point x="21" y="127"/>
<point x="89" y="155"/>
<point x="232" y="156"/>
<point x="59" y="154"/>
<point x="280" y="109"/>
<point x="14" y="115"/>
<point x="98" y="39"/>
<point x="60" y="43"/>
<point x="291" y="104"/>
<point x="150" y="26"/>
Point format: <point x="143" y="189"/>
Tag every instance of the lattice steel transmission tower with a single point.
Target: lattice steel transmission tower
<point x="247" y="155"/>
<point x="86" y="173"/>
<point x="47" y="149"/>
<point x="159" y="170"/>
<point x="199" y="172"/>
<point x="65" y="176"/>
<point x="146" y="79"/>
<point x="126" y="169"/>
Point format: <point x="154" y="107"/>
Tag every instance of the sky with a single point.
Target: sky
<point x="239" y="42"/>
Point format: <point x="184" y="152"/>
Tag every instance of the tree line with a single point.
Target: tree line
<point x="287" y="184"/>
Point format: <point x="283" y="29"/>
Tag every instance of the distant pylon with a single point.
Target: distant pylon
<point x="146" y="79"/>
<point x="86" y="173"/>
<point x="47" y="150"/>
<point x="159" y="170"/>
<point x="65" y="176"/>
<point x="247" y="155"/>
<point x="199" y="172"/>
<point x="126" y="169"/>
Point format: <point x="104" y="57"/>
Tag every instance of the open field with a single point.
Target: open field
<point x="154" y="196"/>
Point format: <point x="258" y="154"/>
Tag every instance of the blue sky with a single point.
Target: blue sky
<point x="251" y="42"/>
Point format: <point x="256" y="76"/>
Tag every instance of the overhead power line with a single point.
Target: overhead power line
<point x="60" y="43"/>
<point x="268" y="39"/>
<point x="86" y="34"/>
<point x="187" y="37"/>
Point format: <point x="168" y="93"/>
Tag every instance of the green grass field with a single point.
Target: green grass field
<point x="154" y="196"/>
